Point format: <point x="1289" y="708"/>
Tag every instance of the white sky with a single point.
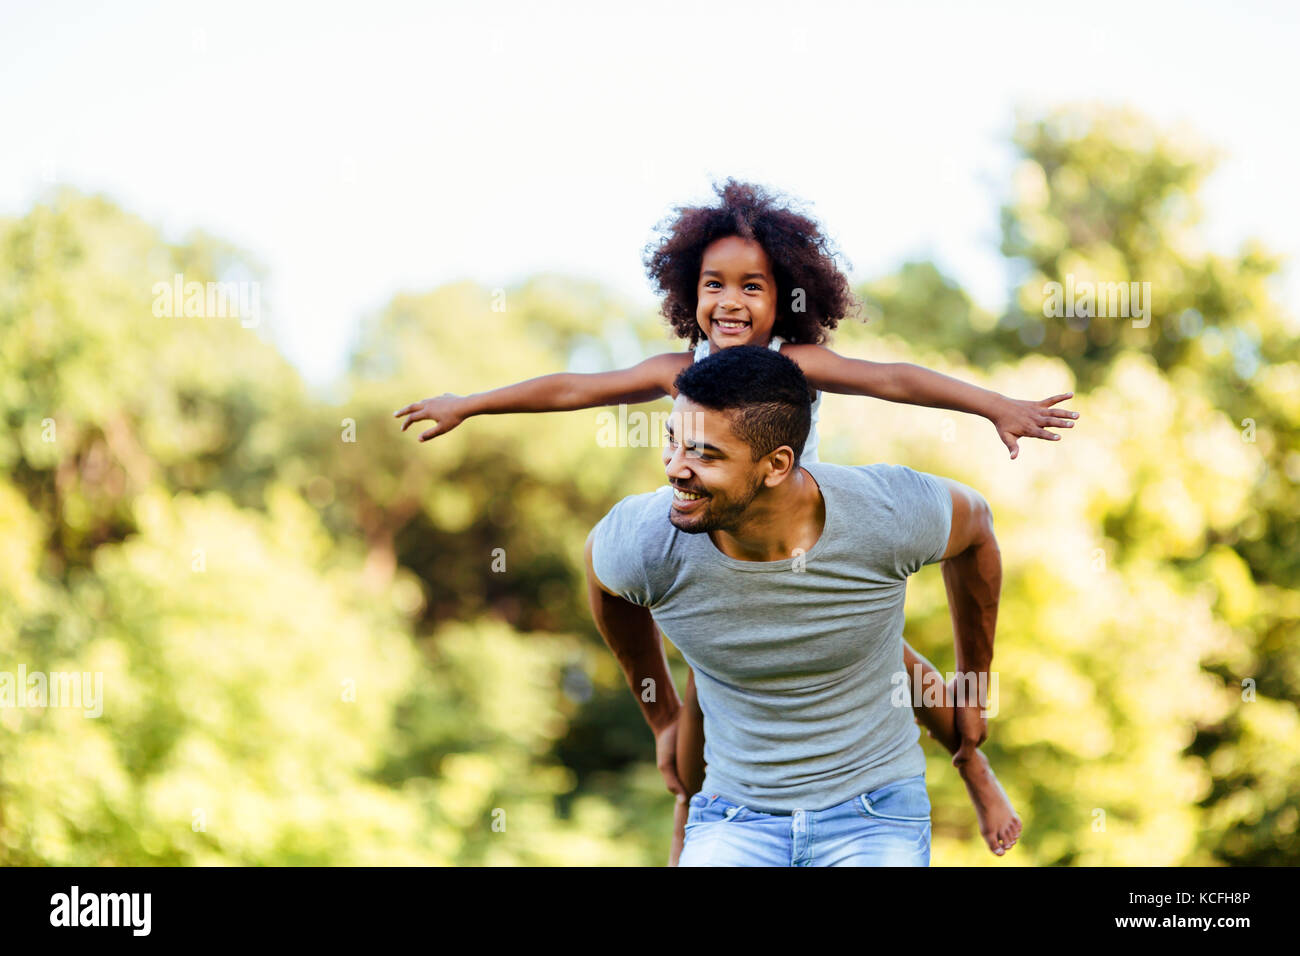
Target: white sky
<point x="359" y="149"/>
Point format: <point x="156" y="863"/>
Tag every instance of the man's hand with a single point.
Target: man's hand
<point x="666" y="758"/>
<point x="1015" y="419"/>
<point x="447" y="410"/>
<point x="972" y="730"/>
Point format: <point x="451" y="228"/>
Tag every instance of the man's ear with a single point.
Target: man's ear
<point x="780" y="464"/>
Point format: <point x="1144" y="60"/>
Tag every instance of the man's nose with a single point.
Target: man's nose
<point x="675" y="464"/>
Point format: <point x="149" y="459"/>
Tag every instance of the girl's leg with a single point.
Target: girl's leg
<point x="938" y="719"/>
<point x="690" y="761"/>
<point x="999" y="824"/>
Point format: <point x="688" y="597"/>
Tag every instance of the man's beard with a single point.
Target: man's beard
<point x="713" y="518"/>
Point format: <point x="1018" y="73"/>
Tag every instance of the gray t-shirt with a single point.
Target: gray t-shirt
<point x="793" y="659"/>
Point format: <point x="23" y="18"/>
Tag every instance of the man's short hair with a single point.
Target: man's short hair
<point x="766" y="393"/>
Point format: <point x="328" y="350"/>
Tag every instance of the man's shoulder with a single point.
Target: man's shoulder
<point x="881" y="486"/>
<point x="629" y="544"/>
<point x="904" y="514"/>
<point x="866" y="477"/>
<point x="644" y="504"/>
<point x="640" y="518"/>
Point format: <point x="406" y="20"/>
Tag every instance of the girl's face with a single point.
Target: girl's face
<point x="737" y="294"/>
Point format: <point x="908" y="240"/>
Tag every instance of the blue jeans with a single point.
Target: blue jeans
<point x="889" y="826"/>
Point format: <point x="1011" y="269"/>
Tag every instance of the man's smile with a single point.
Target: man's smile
<point x="686" y="499"/>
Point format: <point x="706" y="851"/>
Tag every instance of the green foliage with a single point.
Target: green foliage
<point x="323" y="642"/>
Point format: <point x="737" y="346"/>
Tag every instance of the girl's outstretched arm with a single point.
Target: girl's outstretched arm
<point x="562" y="392"/>
<point x="914" y="385"/>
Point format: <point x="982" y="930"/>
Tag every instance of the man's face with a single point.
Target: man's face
<point x="737" y="294"/>
<point x="703" y="457"/>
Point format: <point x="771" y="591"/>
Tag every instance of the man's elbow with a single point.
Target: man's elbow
<point x="980" y="536"/>
<point x="981" y="518"/>
<point x="972" y="521"/>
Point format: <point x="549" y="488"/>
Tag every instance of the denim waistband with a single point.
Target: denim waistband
<point x="918" y="778"/>
<point x="735" y="803"/>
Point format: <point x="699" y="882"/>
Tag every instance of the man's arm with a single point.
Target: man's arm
<point x="633" y="636"/>
<point x="972" y="573"/>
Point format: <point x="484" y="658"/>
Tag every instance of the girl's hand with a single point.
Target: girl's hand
<point x="447" y="410"/>
<point x="1020" y="419"/>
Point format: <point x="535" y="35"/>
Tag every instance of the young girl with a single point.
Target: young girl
<point x="749" y="270"/>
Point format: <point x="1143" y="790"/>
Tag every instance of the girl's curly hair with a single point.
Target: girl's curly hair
<point x="801" y="257"/>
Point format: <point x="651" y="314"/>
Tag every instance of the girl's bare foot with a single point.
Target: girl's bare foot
<point x="999" y="824"/>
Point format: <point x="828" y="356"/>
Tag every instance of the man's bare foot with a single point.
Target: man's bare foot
<point x="999" y="824"/>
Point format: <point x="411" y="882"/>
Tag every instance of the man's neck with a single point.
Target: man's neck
<point x="778" y="522"/>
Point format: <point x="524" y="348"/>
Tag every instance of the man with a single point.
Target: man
<point x="783" y="587"/>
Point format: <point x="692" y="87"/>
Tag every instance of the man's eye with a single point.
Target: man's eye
<point x="691" y="452"/>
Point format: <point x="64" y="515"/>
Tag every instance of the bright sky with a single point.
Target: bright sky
<point x="360" y="149"/>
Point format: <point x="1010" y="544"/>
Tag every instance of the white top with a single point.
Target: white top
<point x="810" y="444"/>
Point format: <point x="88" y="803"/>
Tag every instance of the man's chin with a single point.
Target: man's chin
<point x="690" y="524"/>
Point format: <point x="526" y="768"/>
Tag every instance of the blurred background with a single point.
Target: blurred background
<point x="321" y="642"/>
